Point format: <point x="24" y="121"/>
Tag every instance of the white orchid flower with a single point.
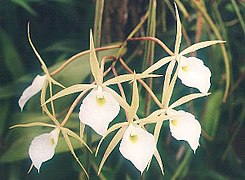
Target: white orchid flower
<point x="193" y="73"/>
<point x="138" y="146"/>
<point x="184" y="126"/>
<point x="98" y="109"/>
<point x="31" y="90"/>
<point x="42" y="147"/>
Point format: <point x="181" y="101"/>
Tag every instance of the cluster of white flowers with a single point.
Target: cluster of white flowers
<point x="102" y="105"/>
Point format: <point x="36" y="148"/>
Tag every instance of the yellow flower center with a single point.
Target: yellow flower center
<point x="100" y="101"/>
<point x="184" y="68"/>
<point x="174" y="122"/>
<point x="133" y="138"/>
<point x="52" y="141"/>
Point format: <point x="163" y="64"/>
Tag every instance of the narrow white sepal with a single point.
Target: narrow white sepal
<point x="184" y="126"/>
<point x="138" y="146"/>
<point x="42" y="147"/>
<point x="193" y="73"/>
<point x="31" y="90"/>
<point x="98" y="109"/>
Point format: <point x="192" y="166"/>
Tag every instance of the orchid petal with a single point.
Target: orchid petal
<point x="33" y="89"/>
<point x="193" y="73"/>
<point x="138" y="146"/>
<point x="98" y="109"/>
<point x="185" y="127"/>
<point x="42" y="148"/>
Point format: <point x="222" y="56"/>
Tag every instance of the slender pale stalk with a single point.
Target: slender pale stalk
<point x="154" y="39"/>
<point x="76" y="56"/>
<point x="142" y="83"/>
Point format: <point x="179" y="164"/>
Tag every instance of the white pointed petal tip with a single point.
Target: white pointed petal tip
<point x="193" y="73"/>
<point x="42" y="148"/>
<point x="31" y="90"/>
<point x="138" y="146"/>
<point x="98" y="109"/>
<point x="185" y="127"/>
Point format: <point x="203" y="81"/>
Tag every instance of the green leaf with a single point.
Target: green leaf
<point x="18" y="147"/>
<point x="212" y="113"/>
<point x="24" y="4"/>
<point x="99" y="8"/>
<point x="239" y="15"/>
<point x="4" y="110"/>
<point x="151" y="32"/>
<point x="11" y="57"/>
<point x="179" y="172"/>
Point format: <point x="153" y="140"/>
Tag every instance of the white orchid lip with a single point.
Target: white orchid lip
<point x="138" y="146"/>
<point x="98" y="109"/>
<point x="193" y="73"/>
<point x="31" y="90"/>
<point x="42" y="147"/>
<point x="184" y="126"/>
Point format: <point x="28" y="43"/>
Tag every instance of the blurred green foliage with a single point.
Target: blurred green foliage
<point x="60" y="29"/>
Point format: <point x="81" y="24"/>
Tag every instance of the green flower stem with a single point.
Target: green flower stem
<point x="150" y="48"/>
<point x="99" y="8"/>
<point x="239" y="15"/>
<point x="182" y="166"/>
<point x="241" y="119"/>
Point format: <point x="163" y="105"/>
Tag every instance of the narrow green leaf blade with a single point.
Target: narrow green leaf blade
<point x="11" y="57"/>
<point x="212" y="113"/>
